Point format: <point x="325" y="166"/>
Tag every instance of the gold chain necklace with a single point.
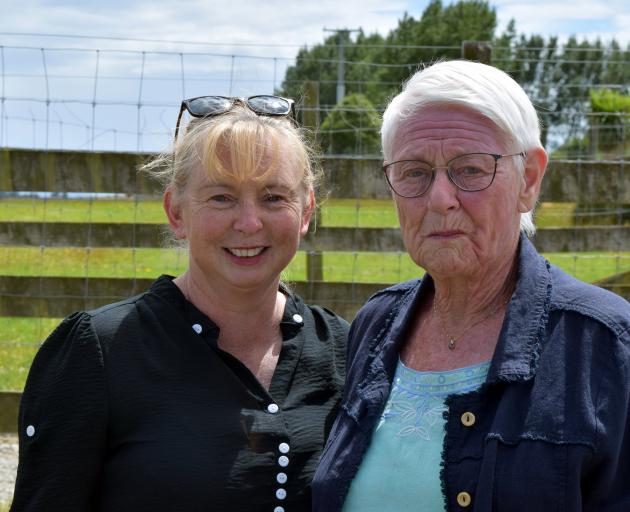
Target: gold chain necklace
<point x="452" y="340"/>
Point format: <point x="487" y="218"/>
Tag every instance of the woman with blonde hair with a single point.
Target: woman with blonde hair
<point x="213" y="390"/>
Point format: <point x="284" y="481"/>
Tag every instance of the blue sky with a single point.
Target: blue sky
<point x="264" y="37"/>
<point x="289" y="21"/>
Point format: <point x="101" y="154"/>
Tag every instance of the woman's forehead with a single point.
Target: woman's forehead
<point x="280" y="174"/>
<point x="446" y="129"/>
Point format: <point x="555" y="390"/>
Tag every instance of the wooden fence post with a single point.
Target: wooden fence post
<point x="310" y="106"/>
<point x="314" y="266"/>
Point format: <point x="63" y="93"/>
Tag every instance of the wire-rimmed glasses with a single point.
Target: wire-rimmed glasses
<point x="471" y="172"/>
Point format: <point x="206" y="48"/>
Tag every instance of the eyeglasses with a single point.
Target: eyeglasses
<point x="471" y="172"/>
<point x="263" y="105"/>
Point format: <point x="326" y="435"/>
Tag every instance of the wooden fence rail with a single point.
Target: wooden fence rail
<point x="584" y="182"/>
<point x="588" y="183"/>
<point x="68" y="234"/>
<point x="22" y="296"/>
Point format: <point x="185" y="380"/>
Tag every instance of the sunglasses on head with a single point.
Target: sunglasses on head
<point x="263" y="105"/>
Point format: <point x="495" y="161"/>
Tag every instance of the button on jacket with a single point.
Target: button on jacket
<point x="548" y="431"/>
<point x="134" y="407"/>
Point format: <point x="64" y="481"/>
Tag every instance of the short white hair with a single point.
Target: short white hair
<point x="478" y="87"/>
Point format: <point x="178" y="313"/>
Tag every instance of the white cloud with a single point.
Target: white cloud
<point x="245" y="21"/>
<point x="268" y="28"/>
<point x="291" y="23"/>
<point x="583" y="18"/>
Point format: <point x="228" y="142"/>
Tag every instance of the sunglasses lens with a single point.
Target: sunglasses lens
<point x="208" y="105"/>
<point x="269" y="105"/>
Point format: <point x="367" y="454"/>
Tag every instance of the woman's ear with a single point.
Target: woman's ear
<point x="307" y="214"/>
<point x="535" y="166"/>
<point x="173" y="210"/>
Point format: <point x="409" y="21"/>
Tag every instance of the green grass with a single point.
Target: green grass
<point x="366" y="267"/>
<point x="81" y="210"/>
<point x="362" y="267"/>
<point x="363" y="213"/>
<point x="19" y="340"/>
<point x="107" y="262"/>
<point x="20" y="337"/>
<point x="555" y="215"/>
<point x="91" y="262"/>
<point x="16" y="361"/>
<point x="591" y="266"/>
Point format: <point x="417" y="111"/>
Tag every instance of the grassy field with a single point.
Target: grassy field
<point x="361" y="267"/>
<point x="334" y="212"/>
<point x="20" y="337"/>
<point x="16" y="361"/>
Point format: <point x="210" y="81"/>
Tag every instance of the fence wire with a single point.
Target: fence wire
<point x="125" y="101"/>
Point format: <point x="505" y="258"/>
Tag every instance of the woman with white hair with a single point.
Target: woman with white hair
<point x="215" y="389"/>
<point x="496" y="382"/>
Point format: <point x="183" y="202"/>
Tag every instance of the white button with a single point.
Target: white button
<point x="278" y="509"/>
<point x="30" y="431"/>
<point x="281" y="494"/>
<point x="283" y="460"/>
<point x="281" y="478"/>
<point x="298" y="318"/>
<point x="273" y="408"/>
<point x="197" y="328"/>
<point x="283" y="447"/>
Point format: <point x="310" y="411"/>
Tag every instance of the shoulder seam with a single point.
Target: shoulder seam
<point x="592" y="313"/>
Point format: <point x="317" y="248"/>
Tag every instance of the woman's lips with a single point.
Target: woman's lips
<point x="445" y="234"/>
<point x="245" y="252"/>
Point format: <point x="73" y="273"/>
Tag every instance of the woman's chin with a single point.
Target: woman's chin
<point x="446" y="264"/>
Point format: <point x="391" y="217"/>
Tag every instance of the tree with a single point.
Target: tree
<point x="376" y="66"/>
<point x="611" y="117"/>
<point x="351" y="127"/>
<point x="556" y="77"/>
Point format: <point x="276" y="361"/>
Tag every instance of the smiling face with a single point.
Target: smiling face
<point x="449" y="232"/>
<point x="242" y="233"/>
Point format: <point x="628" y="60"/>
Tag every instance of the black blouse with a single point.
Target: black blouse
<point x="133" y="407"/>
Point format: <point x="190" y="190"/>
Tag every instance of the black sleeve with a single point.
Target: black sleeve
<point x="63" y="422"/>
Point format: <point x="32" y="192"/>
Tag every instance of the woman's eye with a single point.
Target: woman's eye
<point x="220" y="198"/>
<point x="273" y="198"/>
<point x="470" y="171"/>
<point x="416" y="173"/>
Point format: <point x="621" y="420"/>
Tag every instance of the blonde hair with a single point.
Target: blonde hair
<point x="238" y="145"/>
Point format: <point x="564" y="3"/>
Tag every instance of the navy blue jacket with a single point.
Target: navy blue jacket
<point x="552" y="428"/>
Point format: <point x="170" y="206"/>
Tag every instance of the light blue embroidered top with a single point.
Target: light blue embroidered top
<point x="401" y="467"/>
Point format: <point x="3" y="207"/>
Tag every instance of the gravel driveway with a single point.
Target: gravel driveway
<point x="8" y="465"/>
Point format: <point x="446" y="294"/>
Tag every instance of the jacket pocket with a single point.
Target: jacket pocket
<point x="530" y="474"/>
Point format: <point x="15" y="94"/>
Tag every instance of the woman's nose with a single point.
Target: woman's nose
<point x="248" y="218"/>
<point x="443" y="194"/>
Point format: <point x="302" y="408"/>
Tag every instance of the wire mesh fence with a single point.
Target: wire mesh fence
<point x="127" y="100"/>
<point x="66" y="246"/>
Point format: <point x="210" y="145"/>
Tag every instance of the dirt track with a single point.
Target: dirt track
<point x="8" y="465"/>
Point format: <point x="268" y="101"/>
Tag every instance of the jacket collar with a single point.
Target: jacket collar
<point x="518" y="348"/>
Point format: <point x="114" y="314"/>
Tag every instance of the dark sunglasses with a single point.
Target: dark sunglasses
<point x="263" y="105"/>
